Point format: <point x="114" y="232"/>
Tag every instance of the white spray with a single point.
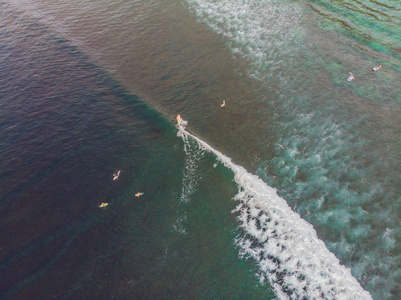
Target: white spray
<point x="289" y="254"/>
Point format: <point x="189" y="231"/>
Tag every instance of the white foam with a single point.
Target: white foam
<point x="189" y="180"/>
<point x="289" y="253"/>
<point x="262" y="31"/>
<point x="315" y="151"/>
<point x="181" y="124"/>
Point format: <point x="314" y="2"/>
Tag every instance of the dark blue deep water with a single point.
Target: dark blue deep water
<point x="291" y="191"/>
<point x="66" y="127"/>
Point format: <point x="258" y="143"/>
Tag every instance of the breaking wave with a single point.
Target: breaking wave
<point x="289" y="254"/>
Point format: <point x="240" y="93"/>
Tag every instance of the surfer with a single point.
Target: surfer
<point x="103" y="204"/>
<point x="351" y="77"/>
<point x="116" y="175"/>
<point x="224" y="103"/>
<point x="376" y="68"/>
<point x="139" y="194"/>
<point x="178" y="120"/>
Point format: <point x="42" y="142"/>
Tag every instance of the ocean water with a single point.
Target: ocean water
<point x="291" y="191"/>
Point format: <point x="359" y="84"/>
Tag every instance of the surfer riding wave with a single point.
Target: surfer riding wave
<point x="180" y="122"/>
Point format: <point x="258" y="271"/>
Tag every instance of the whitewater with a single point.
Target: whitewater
<point x="286" y="248"/>
<point x="325" y="152"/>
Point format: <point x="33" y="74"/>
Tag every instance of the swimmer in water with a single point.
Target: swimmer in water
<point x="116" y="175"/>
<point x="103" y="204"/>
<point x="376" y="68"/>
<point x="139" y="194"/>
<point x="351" y="77"/>
<point x="224" y="103"/>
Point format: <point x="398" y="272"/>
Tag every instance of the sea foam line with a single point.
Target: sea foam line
<point x="289" y="254"/>
<point x="189" y="182"/>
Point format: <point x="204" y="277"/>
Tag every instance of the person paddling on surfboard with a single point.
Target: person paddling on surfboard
<point x="103" y="204"/>
<point x="139" y="194"/>
<point x="351" y="77"/>
<point x="223" y="104"/>
<point x="376" y="68"/>
<point x="116" y="175"/>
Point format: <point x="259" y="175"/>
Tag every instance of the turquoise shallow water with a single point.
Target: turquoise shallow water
<point x="92" y="88"/>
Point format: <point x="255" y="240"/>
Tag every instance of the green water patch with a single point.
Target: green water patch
<point x="203" y="262"/>
<point x="379" y="30"/>
<point x="158" y="262"/>
<point x="363" y="36"/>
<point x="135" y="252"/>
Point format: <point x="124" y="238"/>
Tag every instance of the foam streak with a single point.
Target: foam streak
<point x="286" y="247"/>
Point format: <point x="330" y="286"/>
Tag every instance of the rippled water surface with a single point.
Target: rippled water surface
<point x="309" y="205"/>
